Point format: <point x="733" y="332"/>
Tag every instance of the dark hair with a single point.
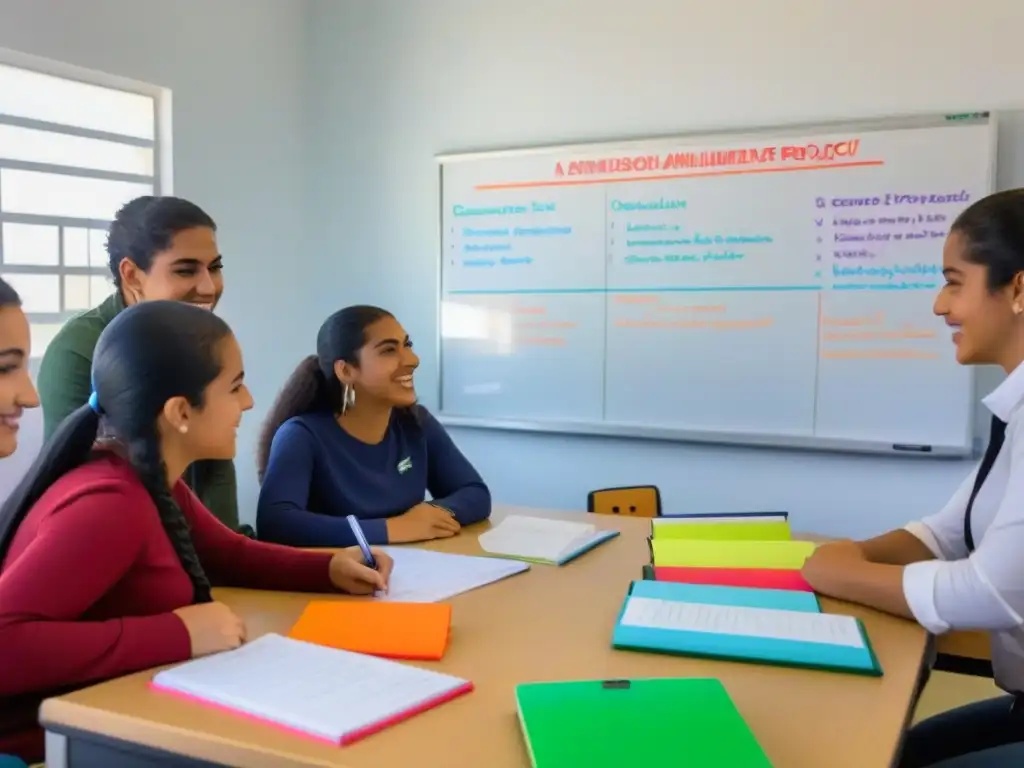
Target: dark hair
<point x="993" y="231"/>
<point x="146" y="226"/>
<point x="313" y="385"/>
<point x="8" y="296"/>
<point x="151" y="352"/>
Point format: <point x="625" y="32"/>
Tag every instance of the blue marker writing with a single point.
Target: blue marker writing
<point x="357" y="531"/>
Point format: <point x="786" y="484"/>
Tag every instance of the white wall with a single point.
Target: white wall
<point x="392" y="82"/>
<point x="235" y="68"/>
<point x="307" y="128"/>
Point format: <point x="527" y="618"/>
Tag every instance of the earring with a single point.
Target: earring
<point x="348" y="397"/>
<point x="1017" y="309"/>
<point x="183" y="428"/>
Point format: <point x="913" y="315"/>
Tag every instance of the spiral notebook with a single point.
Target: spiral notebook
<point x="324" y="693"/>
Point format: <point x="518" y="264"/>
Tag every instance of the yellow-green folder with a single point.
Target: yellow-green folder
<point x="667" y="528"/>
<point x="730" y="554"/>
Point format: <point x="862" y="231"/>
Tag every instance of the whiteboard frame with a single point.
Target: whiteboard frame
<point x="624" y="430"/>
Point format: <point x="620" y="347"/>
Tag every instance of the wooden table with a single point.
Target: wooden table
<point x="964" y="644"/>
<point x="547" y="624"/>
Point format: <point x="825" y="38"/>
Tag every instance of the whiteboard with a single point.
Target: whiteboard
<point x="767" y="288"/>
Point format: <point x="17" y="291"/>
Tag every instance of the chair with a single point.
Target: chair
<point x="631" y="501"/>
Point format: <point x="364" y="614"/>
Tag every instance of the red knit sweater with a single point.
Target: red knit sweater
<point x="90" y="581"/>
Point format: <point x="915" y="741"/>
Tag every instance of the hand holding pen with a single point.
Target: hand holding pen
<point x="361" y="570"/>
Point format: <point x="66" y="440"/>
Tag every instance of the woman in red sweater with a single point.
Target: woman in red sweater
<point x="106" y="557"/>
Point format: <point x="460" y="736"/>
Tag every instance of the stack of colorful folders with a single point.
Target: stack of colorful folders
<point x="747" y="549"/>
<point x="729" y="586"/>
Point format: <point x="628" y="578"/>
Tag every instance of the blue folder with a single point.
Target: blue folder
<point x="711" y="594"/>
<point x="756" y="643"/>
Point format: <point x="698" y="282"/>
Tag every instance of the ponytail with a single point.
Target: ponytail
<point x="146" y="460"/>
<point x="70" y="447"/>
<point x="305" y="391"/>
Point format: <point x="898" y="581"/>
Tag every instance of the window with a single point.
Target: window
<point x="73" y="149"/>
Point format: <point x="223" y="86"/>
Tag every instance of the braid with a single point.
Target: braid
<point x="145" y="457"/>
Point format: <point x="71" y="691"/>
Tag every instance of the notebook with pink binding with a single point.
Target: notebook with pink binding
<point x="324" y="693"/>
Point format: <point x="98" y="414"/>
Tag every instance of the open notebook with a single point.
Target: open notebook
<point x="540" y="540"/>
<point x="741" y="625"/>
<point x="328" y="694"/>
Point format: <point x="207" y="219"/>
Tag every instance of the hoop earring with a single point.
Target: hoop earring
<point x="348" y="397"/>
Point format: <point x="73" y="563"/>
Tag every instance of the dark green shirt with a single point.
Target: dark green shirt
<point x="65" y="383"/>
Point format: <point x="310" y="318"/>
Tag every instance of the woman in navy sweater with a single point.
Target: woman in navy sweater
<point x="346" y="437"/>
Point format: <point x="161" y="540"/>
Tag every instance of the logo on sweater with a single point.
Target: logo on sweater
<point x="404" y="465"/>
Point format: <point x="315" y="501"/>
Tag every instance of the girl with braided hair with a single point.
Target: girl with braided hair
<point x="107" y="558"/>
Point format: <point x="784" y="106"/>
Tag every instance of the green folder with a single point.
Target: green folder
<point x="647" y="723"/>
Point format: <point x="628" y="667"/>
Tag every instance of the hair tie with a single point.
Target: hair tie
<point x="94" y="403"/>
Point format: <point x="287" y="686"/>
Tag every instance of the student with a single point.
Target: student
<point x="346" y="437"/>
<point x="158" y="248"/>
<point x="106" y="557"/>
<point x="962" y="568"/>
<point x="16" y="394"/>
<point x="16" y="389"/>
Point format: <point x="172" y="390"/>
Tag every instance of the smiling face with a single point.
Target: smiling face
<point x="386" y="365"/>
<point x="191" y="270"/>
<point x="985" y="322"/>
<point x="16" y="389"/>
<point x="210" y="432"/>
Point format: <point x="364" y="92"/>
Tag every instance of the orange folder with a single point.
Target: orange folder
<point x="392" y="630"/>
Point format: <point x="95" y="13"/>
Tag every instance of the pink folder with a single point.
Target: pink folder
<point x="762" y="578"/>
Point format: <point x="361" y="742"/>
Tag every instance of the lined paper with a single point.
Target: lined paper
<point x="798" y="626"/>
<point x="322" y="691"/>
<point x="422" y="576"/>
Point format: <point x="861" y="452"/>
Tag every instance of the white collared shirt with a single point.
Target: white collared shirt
<point x="984" y="589"/>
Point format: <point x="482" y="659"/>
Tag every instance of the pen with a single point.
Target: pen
<point x="357" y="531"/>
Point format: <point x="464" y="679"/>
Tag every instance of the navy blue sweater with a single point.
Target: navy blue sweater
<point x="318" y="473"/>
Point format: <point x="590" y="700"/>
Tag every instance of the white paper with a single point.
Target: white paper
<point x="800" y="626"/>
<point x="535" y="537"/>
<point x="319" y="690"/>
<point x="422" y="576"/>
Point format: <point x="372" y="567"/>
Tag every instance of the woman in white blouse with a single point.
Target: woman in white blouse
<point x="963" y="568"/>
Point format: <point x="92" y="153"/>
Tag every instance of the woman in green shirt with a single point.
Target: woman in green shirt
<point x="159" y="248"/>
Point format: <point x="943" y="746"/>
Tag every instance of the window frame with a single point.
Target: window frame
<point x="161" y="180"/>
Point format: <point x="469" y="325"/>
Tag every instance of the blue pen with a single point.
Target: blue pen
<point x="357" y="531"/>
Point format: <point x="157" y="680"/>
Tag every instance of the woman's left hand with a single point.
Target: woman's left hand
<point x="350" y="573"/>
<point x="830" y="562"/>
